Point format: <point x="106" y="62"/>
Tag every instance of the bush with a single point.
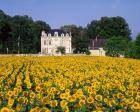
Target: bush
<point x="88" y="52"/>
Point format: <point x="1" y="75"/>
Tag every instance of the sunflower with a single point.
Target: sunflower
<point x="105" y="100"/>
<point x="62" y="96"/>
<point x="66" y="109"/>
<point x="67" y="91"/>
<point x="90" y="100"/>
<point x="81" y="103"/>
<point x="32" y="95"/>
<point x="10" y="102"/>
<point x="53" y="103"/>
<point x="66" y="95"/>
<point x="36" y="109"/>
<point x="53" y="89"/>
<point x="38" y="89"/>
<point x="15" y="92"/>
<point x="21" y="100"/>
<point x="98" y="97"/>
<point x="25" y="93"/>
<point x="120" y="110"/>
<point x="44" y="110"/>
<point x="10" y="93"/>
<point x="112" y="102"/>
<point x="45" y="100"/>
<point x="33" y="110"/>
<point x="136" y="105"/>
<point x="72" y="98"/>
<point x="63" y="104"/>
<point x="62" y="88"/>
<point x="82" y="97"/>
<point x="1" y="94"/>
<point x="129" y="101"/>
<point x="5" y="109"/>
<point x="120" y="95"/>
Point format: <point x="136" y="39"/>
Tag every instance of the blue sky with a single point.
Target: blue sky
<point x="80" y="12"/>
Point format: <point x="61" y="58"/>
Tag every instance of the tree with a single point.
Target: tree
<point x="29" y="33"/>
<point x="5" y="29"/>
<point x="108" y="27"/>
<point x="93" y="29"/>
<point x="61" y="49"/>
<point x="80" y="40"/>
<point x="137" y="46"/>
<point x="21" y="26"/>
<point x="131" y="52"/>
<point x="87" y="52"/>
<point x="116" y="46"/>
<point x="36" y="29"/>
<point x="22" y="30"/>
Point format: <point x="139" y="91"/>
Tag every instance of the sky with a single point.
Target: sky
<point x="79" y="12"/>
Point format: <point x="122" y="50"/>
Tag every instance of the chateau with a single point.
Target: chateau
<point x="53" y="39"/>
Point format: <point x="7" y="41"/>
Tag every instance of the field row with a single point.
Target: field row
<point x="75" y="84"/>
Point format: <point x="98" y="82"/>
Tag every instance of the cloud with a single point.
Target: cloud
<point x="115" y="4"/>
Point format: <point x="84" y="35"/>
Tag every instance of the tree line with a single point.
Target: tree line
<point x="21" y="34"/>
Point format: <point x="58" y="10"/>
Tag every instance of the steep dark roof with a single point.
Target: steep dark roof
<point x="97" y="43"/>
<point x="52" y="31"/>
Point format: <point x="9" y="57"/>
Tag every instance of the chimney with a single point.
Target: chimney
<point x="96" y="38"/>
<point x="93" y="44"/>
<point x="70" y="34"/>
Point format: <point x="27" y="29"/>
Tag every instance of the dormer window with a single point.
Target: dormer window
<point x="67" y="34"/>
<point x="43" y="33"/>
<point x="62" y="35"/>
<point x="56" y="34"/>
<point x="49" y="35"/>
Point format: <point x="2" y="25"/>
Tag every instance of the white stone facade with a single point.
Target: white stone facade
<point x="98" y="52"/>
<point x="50" y="42"/>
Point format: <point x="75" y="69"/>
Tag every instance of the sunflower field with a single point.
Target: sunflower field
<point x="69" y="84"/>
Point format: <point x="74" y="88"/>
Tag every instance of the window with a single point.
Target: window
<point x="67" y="34"/>
<point x="62" y="35"/>
<point x="49" y="42"/>
<point x="55" y="34"/>
<point x="44" y="42"/>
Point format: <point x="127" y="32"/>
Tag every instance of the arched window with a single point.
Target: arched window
<point x="50" y="42"/>
<point x="67" y="34"/>
<point x="62" y="35"/>
<point x="44" y="42"/>
<point x="55" y="34"/>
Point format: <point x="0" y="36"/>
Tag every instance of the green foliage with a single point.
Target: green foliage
<point x="0" y="45"/>
<point x="116" y="46"/>
<point x="137" y="46"/>
<point x="61" y="49"/>
<point x="88" y="52"/>
<point x="80" y="39"/>
<point x="29" y="31"/>
<point x="131" y="52"/>
<point x="108" y="27"/>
